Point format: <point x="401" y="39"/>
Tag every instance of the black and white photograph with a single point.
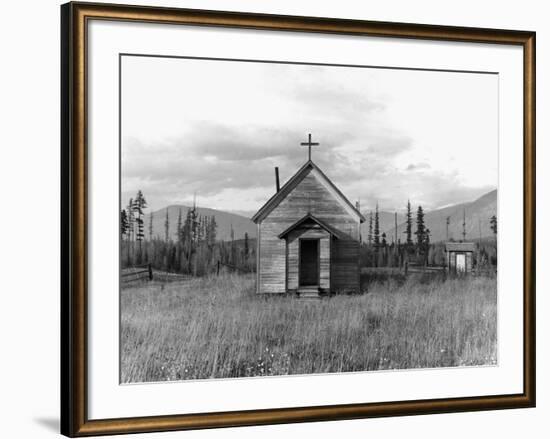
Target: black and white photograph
<point x="284" y="218"/>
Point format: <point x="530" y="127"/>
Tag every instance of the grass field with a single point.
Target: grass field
<point x="216" y="327"/>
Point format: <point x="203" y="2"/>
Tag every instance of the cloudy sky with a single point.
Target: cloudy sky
<point x="218" y="129"/>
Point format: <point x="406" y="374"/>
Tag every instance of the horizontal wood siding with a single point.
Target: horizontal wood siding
<point x="309" y="196"/>
<point x="272" y="260"/>
<point x="345" y="266"/>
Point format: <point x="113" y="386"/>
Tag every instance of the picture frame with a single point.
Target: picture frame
<point x="75" y="220"/>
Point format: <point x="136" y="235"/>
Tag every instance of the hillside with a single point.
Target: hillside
<point x="224" y="220"/>
<point x="386" y="221"/>
<point x="478" y="213"/>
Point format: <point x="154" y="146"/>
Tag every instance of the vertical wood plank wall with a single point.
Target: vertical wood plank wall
<point x="309" y="196"/>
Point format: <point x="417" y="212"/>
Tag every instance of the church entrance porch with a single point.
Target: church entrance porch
<point x="309" y="263"/>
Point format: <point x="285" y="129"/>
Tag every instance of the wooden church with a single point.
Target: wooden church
<point x="308" y="237"/>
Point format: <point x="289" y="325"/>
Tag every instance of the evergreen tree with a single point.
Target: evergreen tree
<point x="369" y="236"/>
<point x="493" y="223"/>
<point x="376" y="228"/>
<point x="151" y="227"/>
<point x="123" y="223"/>
<point x="211" y="231"/>
<point x="166" y="227"/>
<point x="131" y="228"/>
<point x="420" y="228"/>
<point x="408" y="226"/>
<point x="179" y="230"/>
<point x="130" y="215"/>
<point x="464" y="226"/>
<point x="384" y="242"/>
<point x="139" y="205"/>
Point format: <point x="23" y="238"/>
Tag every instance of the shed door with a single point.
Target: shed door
<point x="460" y="262"/>
<point x="309" y="262"/>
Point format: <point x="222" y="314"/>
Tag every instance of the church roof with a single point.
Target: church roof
<point x="310" y="218"/>
<point x="287" y="188"/>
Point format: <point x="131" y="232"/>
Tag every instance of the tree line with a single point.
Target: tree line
<point x="416" y="246"/>
<point x="191" y="247"/>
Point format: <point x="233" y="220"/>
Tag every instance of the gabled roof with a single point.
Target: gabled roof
<point x="460" y="246"/>
<point x="287" y="188"/>
<point x="311" y="218"/>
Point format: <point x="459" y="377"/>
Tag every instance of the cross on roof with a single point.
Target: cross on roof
<point x="309" y="144"/>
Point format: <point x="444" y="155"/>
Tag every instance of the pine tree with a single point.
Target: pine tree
<point x="493" y="223"/>
<point x="151" y="227"/>
<point x="376" y="228"/>
<point x="408" y="227"/>
<point x="369" y="236"/>
<point x="139" y="205"/>
<point x="420" y="228"/>
<point x="166" y="227"/>
<point x="131" y="228"/>
<point x="123" y="223"/>
<point x="213" y="232"/>
<point x="130" y="215"/>
<point x="464" y="226"/>
<point x="384" y="241"/>
<point x="179" y="231"/>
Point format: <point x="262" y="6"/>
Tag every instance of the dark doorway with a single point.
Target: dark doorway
<point x="309" y="262"/>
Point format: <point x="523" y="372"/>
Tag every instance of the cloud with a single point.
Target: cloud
<point x="418" y="166"/>
<point x="220" y="136"/>
<point x="336" y="97"/>
<point x="213" y="158"/>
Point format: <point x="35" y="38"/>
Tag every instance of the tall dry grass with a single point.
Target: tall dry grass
<point x="217" y="327"/>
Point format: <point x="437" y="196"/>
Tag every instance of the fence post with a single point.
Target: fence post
<point x="218" y="270"/>
<point x="150" y="271"/>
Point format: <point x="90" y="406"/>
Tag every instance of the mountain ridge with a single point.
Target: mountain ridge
<point x="478" y="214"/>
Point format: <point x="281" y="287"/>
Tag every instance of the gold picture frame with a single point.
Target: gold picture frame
<point x="74" y="192"/>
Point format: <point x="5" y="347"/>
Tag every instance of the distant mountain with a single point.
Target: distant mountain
<point x="245" y="213"/>
<point x="386" y="221"/>
<point x="477" y="212"/>
<point x="224" y="221"/>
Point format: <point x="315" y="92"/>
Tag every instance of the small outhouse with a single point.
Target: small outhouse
<point x="460" y="257"/>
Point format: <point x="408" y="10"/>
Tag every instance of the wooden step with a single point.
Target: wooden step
<point x="309" y="292"/>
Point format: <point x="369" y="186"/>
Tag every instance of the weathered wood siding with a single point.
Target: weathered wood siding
<point x="309" y="196"/>
<point x="345" y="266"/>
<point x="293" y="261"/>
<point x="469" y="262"/>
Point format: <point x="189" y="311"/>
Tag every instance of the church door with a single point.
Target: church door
<point x="309" y="262"/>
